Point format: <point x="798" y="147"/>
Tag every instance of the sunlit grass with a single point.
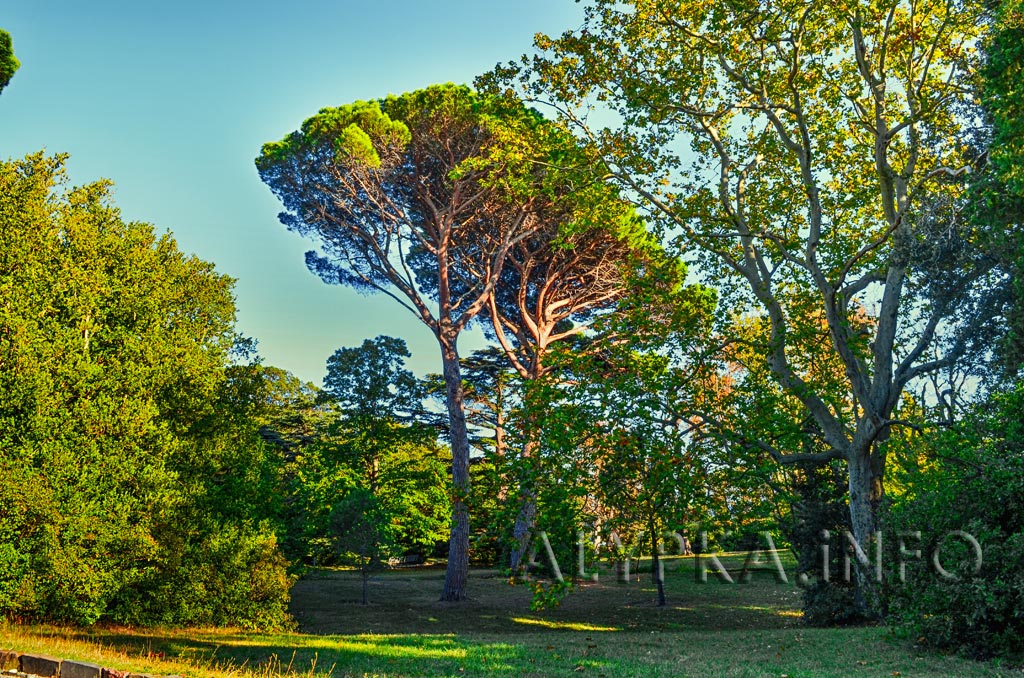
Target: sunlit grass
<point x="148" y="653"/>
<point x="561" y="626"/>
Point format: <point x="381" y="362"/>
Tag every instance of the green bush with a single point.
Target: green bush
<point x="133" y="484"/>
<point x="975" y="486"/>
<point x="233" y="576"/>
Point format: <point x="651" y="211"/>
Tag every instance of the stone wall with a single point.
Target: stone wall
<point x="18" y="665"/>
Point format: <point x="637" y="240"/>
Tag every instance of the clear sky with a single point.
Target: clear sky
<point x="172" y="101"/>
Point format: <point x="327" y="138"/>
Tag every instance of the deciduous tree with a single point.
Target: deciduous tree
<point x="135" y="487"/>
<point x="804" y="151"/>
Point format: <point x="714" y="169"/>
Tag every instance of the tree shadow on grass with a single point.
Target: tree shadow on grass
<point x="408" y="605"/>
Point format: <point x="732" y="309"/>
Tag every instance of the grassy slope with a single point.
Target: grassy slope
<point x="602" y="629"/>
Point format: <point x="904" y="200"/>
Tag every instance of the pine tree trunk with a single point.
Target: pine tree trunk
<point x="457" y="573"/>
<point x="501" y="466"/>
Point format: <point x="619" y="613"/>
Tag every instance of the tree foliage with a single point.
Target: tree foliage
<point x="1003" y="92"/>
<point x="8" y="62"/>
<point x="370" y="381"/>
<point x="493" y="394"/>
<point x="973" y="484"/>
<point x="582" y="260"/>
<point x="363" y="534"/>
<point x="967" y="476"/>
<point x="391" y="454"/>
<point x="135" y="486"/>
<point x="803" y="153"/>
<point x="997" y="197"/>
<point x="354" y="453"/>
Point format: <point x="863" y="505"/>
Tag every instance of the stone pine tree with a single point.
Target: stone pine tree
<point x="576" y="265"/>
<point x="419" y="197"/>
<point x="808" y="151"/>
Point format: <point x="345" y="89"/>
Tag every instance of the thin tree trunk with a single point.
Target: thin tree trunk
<point x="366" y="596"/>
<point x="457" y="572"/>
<point x="500" y="446"/>
<point x="501" y="466"/>
<point x="527" y="516"/>
<point x="656" y="564"/>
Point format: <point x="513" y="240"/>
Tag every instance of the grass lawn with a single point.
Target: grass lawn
<point x="602" y="629"/>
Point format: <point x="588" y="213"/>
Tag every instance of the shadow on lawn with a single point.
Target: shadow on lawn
<point x="406" y="603"/>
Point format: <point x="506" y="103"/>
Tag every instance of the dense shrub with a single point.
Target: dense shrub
<point x="975" y="485"/>
<point x="231" y="576"/>
<point x="133" y="484"/>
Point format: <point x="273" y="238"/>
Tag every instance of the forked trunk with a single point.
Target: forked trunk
<point x="457" y="573"/>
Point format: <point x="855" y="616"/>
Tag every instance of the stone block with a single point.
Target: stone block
<point x="9" y="660"/>
<point x="113" y="673"/>
<point x="39" y="665"/>
<point x="70" y="669"/>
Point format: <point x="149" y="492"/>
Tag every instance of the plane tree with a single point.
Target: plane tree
<point x="799" y="151"/>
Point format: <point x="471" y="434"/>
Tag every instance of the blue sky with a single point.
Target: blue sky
<point x="172" y="101"/>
